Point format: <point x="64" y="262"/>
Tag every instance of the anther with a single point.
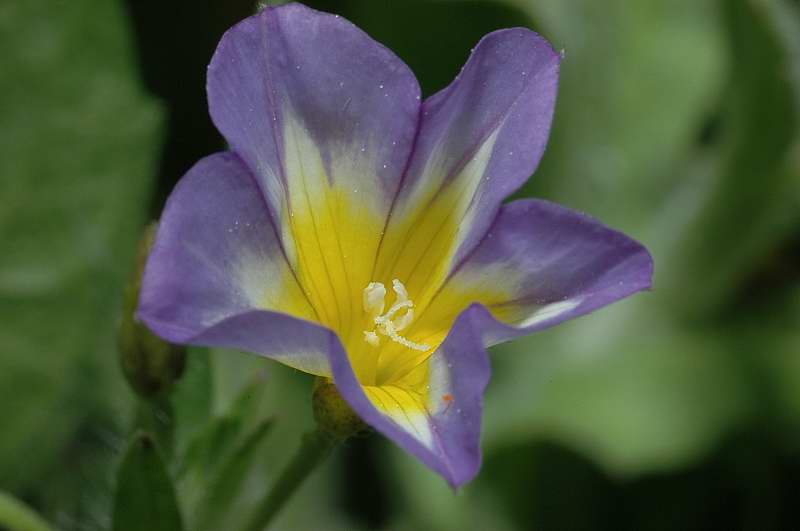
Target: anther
<point x="389" y="323"/>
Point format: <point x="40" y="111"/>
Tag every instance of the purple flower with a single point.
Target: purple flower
<point x="356" y="233"/>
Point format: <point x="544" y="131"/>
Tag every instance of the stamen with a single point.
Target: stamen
<point x="372" y="338"/>
<point x="386" y="323"/>
<point x="394" y="309"/>
<point x="400" y="290"/>
<point x="374" y="295"/>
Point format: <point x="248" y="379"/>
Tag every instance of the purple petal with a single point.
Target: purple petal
<point x="292" y="68"/>
<point x="480" y="139"/>
<point x="216" y="256"/>
<point x="457" y="375"/>
<point x="552" y="264"/>
<point x="325" y="117"/>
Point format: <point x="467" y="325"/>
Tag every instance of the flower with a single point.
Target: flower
<point x="357" y="233"/>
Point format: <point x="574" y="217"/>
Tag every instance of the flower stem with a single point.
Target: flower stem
<point x="315" y="446"/>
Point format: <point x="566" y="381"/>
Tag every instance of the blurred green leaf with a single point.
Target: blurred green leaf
<point x="203" y="452"/>
<point x="638" y="80"/>
<point x="79" y="142"/>
<point x="629" y="402"/>
<point x="16" y="516"/>
<point x="750" y="205"/>
<point x="214" y="448"/>
<point x="636" y="387"/>
<point x="145" y="497"/>
<point x="192" y="398"/>
<point x="223" y="488"/>
<point x="207" y="449"/>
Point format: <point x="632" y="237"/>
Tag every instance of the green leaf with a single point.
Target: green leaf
<point x="207" y="449"/>
<point x="626" y="116"/>
<point x="145" y="498"/>
<point x="80" y="138"/>
<point x="208" y="444"/>
<point x="750" y="206"/>
<point x="225" y="486"/>
<point x="192" y="398"/>
<point x="16" y="516"/>
<point x="214" y="446"/>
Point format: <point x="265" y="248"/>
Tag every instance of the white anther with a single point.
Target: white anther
<point x="374" y="297"/>
<point x="372" y="338"/>
<point x="404" y="320"/>
<point x="400" y="290"/>
<point x="386" y="323"/>
<point x="396" y="307"/>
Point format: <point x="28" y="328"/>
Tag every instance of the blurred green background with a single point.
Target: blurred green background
<point x="677" y="122"/>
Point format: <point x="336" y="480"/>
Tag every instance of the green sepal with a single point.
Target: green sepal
<point x="150" y="364"/>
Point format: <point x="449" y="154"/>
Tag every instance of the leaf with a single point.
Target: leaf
<point x="16" y="516"/>
<point x="218" y="438"/>
<point x="214" y="446"/>
<point x="626" y="116"/>
<point x="750" y="206"/>
<point x="208" y="444"/>
<point x="145" y="497"/>
<point x="224" y="487"/>
<point x="192" y="398"/>
<point x="80" y="138"/>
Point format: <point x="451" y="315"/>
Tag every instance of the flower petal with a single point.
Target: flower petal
<point x="434" y="413"/>
<point x="325" y="117"/>
<point x="216" y="256"/>
<point x="541" y="264"/>
<point x="480" y="139"/>
<point x="350" y="95"/>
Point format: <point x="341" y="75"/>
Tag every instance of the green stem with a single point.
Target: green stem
<point x="314" y="448"/>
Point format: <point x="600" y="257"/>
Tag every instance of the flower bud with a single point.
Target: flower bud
<point x="150" y="364"/>
<point x="334" y="416"/>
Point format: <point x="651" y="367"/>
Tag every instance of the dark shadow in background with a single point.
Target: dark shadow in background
<point x="175" y="40"/>
<point x="749" y="484"/>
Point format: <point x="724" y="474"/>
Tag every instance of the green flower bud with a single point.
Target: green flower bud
<point x="334" y="416"/>
<point x="150" y="364"/>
